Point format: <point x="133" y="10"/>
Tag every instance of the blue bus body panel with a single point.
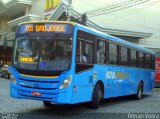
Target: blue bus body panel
<point x="118" y="81"/>
<point x="83" y="86"/>
<point x="47" y="87"/>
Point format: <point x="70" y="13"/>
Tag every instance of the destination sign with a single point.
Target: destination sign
<point x="45" y="27"/>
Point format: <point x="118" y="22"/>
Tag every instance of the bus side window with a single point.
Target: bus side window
<point x="101" y="55"/>
<point x="147" y="61"/>
<point x="86" y="53"/>
<point x="141" y="60"/>
<point x="124" y="56"/>
<point x="137" y="59"/>
<point x="78" y="52"/>
<point x="133" y="58"/>
<point x="112" y="53"/>
<point x="153" y="63"/>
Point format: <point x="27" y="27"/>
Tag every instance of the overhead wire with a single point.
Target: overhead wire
<point x="151" y="28"/>
<point x="126" y="2"/>
<point x="106" y="6"/>
<point x="129" y="21"/>
<point x="115" y="8"/>
<point x="135" y="12"/>
<point x="96" y="10"/>
<point x="138" y="24"/>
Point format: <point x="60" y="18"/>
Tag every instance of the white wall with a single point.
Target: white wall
<point x="3" y="24"/>
<point x="38" y="8"/>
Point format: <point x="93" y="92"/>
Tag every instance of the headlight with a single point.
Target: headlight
<point x="66" y="82"/>
<point x="13" y="79"/>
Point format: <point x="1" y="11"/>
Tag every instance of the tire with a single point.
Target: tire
<point x="2" y="75"/>
<point x="47" y="104"/>
<point x="94" y="104"/>
<point x="7" y="76"/>
<point x="139" y="93"/>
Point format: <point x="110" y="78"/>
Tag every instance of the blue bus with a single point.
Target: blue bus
<point x="67" y="63"/>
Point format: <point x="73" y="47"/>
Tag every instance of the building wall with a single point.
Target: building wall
<point x="38" y="7"/>
<point x="50" y="6"/>
<point x="3" y="24"/>
<point x="5" y="54"/>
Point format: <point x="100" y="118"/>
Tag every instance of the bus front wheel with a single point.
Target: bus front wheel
<point x="46" y="103"/>
<point x="94" y="104"/>
<point x="139" y="93"/>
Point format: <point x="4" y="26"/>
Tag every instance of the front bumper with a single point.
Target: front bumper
<point x="56" y="96"/>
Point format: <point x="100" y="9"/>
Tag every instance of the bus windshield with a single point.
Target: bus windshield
<point x="46" y="53"/>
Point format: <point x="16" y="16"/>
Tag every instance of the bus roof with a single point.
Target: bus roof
<point x="98" y="33"/>
<point x="115" y="39"/>
<point x="65" y="22"/>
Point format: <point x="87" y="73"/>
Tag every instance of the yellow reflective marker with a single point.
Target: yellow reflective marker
<point x="26" y="59"/>
<point x="39" y="76"/>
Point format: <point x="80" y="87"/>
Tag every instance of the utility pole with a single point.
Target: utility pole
<point x="5" y="41"/>
<point x="84" y="19"/>
<point x="69" y="10"/>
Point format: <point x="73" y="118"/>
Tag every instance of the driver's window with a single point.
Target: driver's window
<point x="84" y="53"/>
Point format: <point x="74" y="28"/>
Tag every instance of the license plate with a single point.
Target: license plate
<point x="36" y="93"/>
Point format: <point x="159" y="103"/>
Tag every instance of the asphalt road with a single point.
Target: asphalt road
<point x="122" y="107"/>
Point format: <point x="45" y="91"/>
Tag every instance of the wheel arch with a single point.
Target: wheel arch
<point x="142" y="82"/>
<point x="101" y="87"/>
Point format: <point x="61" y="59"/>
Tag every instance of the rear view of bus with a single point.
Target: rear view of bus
<point x="41" y="67"/>
<point x="157" y="63"/>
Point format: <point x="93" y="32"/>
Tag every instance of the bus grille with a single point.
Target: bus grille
<point x="48" y="89"/>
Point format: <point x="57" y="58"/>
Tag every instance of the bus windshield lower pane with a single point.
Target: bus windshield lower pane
<point x="43" y="53"/>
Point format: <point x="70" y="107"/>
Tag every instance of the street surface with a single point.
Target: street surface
<point x="150" y="103"/>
